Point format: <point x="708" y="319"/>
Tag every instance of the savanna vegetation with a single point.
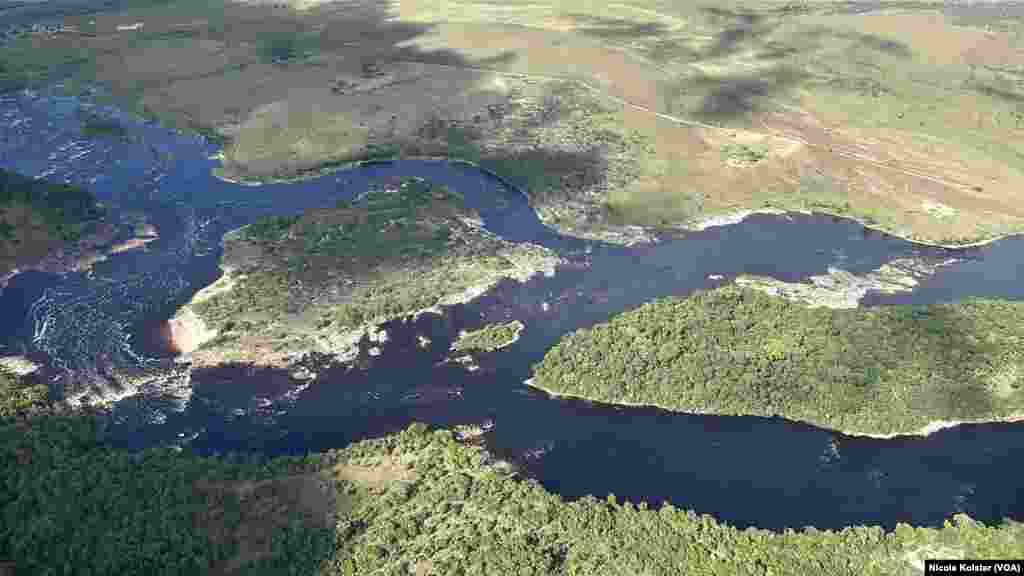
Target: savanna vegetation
<point x="639" y="112"/>
<point x="883" y="370"/>
<point x="36" y="216"/>
<point x="414" y="502"/>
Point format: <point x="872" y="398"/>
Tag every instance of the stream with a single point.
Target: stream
<point x="746" y="471"/>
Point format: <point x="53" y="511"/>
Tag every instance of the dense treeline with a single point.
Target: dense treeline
<point x="732" y="351"/>
<point x="72" y="506"/>
<point x="64" y="209"/>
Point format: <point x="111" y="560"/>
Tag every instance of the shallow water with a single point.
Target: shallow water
<point x="747" y="471"/>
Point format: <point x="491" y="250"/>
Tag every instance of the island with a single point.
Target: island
<point x="489" y="338"/>
<point x="319" y="281"/>
<point x="47" y="225"/>
<point x="733" y="351"/>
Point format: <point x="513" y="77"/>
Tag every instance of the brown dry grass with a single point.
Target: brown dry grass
<point x="719" y="75"/>
<point x="377" y="477"/>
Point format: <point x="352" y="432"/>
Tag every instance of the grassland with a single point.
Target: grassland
<point x="37" y="217"/>
<point x="413" y="502"/>
<point x="395" y="250"/>
<point x="879" y="371"/>
<point x="907" y="117"/>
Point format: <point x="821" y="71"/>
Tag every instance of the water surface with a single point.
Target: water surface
<point x="744" y="470"/>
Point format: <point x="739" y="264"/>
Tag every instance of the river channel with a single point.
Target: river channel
<point x="746" y="471"/>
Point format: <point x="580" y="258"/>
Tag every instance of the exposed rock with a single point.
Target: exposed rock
<point x="189" y="332"/>
<point x="841" y="289"/>
<point x="731" y="218"/>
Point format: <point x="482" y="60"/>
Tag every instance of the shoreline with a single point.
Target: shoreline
<point x="923" y="432"/>
<point x="189" y="331"/>
<point x="840" y="289"/>
<point x="731" y="218"/>
<point x="705" y="222"/>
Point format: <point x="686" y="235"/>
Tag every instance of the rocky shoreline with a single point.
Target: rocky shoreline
<point x="840" y="289"/>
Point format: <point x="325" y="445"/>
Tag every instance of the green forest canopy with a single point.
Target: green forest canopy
<point x="734" y="351"/>
<point x="65" y="209"/>
<point x="71" y="505"/>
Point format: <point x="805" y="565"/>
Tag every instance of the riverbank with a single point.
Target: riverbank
<point x="940" y="425"/>
<point x="728" y="218"/>
<point x="927" y="430"/>
<point x="895" y="370"/>
<point x="627" y="234"/>
<point x="49" y="227"/>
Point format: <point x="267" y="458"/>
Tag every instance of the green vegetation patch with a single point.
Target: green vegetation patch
<point x="744" y="153"/>
<point x="462" y="516"/>
<point x="383" y="224"/>
<point x="73" y="506"/>
<point x="66" y="211"/>
<point x="489" y="338"/>
<point x="286" y="46"/>
<point x="731" y="351"/>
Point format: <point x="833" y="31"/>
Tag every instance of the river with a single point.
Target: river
<point x="746" y="471"/>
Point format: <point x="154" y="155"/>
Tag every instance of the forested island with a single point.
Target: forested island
<point x="317" y="281"/>
<point x="489" y="338"/>
<point x="37" y="217"/>
<point x="414" y="502"/>
<point x="733" y="351"/>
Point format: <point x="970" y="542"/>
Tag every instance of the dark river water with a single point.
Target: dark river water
<point x="746" y="471"/>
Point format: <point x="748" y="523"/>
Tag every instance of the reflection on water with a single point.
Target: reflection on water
<point x="747" y="471"/>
